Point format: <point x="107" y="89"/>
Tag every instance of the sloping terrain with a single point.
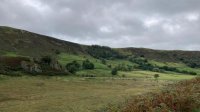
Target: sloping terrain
<point x="192" y="58"/>
<point x="83" y="78"/>
<point x="27" y="43"/>
<point x="51" y="54"/>
<point x="30" y="44"/>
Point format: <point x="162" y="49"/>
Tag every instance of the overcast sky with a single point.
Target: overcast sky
<point x="157" y="24"/>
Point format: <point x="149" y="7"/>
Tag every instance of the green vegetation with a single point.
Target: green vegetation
<point x="156" y="76"/>
<point x="103" y="52"/>
<point x="144" y="64"/>
<point x="87" y="65"/>
<point x="73" y="67"/>
<point x="83" y="78"/>
<point x="150" y="75"/>
<point x="46" y="60"/>
<point x="114" y="71"/>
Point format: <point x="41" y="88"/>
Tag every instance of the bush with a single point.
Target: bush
<point x="114" y="71"/>
<point x="46" y="60"/>
<point x="156" y="76"/>
<point x="57" y="52"/>
<point x="109" y="66"/>
<point x="73" y="67"/>
<point x="103" y="61"/>
<point x="123" y="67"/>
<point x="87" y="64"/>
<point x="156" y="70"/>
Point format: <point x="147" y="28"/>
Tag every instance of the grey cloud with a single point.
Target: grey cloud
<point x="158" y="24"/>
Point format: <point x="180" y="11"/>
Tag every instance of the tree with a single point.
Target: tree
<point x="87" y="64"/>
<point x="156" y="76"/>
<point x="109" y="66"/>
<point x="57" y="52"/>
<point x="114" y="71"/>
<point x="103" y="52"/>
<point x="103" y="61"/>
<point x="73" y="67"/>
<point x="46" y="60"/>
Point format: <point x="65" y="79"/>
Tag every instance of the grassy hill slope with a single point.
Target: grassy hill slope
<point x="26" y="43"/>
<point x="187" y="57"/>
<point x="21" y="43"/>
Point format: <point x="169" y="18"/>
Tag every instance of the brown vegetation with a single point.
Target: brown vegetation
<point x="181" y="97"/>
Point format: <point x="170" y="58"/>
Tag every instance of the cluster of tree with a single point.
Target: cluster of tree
<point x="46" y="60"/>
<point x="145" y="65"/>
<point x="103" y="52"/>
<point x="173" y="69"/>
<point x="74" y="66"/>
<point x="138" y="60"/>
<point x="142" y="63"/>
<point x="103" y="61"/>
<point x="192" y="63"/>
<point x="87" y="65"/>
<point x="123" y="67"/>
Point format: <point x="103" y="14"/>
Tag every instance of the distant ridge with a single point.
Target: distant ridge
<point x="32" y="44"/>
<point x="27" y="43"/>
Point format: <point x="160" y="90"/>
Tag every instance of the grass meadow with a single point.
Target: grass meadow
<point x="81" y="93"/>
<point x="74" y="94"/>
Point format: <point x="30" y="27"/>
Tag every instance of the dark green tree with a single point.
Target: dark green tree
<point x="87" y="64"/>
<point x="46" y="60"/>
<point x="103" y="61"/>
<point x="73" y="67"/>
<point x="114" y="71"/>
<point x="156" y="76"/>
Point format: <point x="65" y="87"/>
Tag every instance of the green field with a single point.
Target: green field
<point x="61" y="76"/>
<point x="74" y="94"/>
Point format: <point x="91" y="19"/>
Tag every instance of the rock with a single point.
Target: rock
<point x="31" y="67"/>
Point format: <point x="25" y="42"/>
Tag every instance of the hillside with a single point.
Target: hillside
<point x="163" y="55"/>
<point x="26" y="43"/>
<point x="38" y="51"/>
<point x="41" y="73"/>
<point x="31" y="44"/>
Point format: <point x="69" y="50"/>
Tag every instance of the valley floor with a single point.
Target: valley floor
<point x="71" y="94"/>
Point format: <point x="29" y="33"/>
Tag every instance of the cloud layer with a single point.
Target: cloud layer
<point x="158" y="24"/>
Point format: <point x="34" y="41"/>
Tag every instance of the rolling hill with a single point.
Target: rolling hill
<point x="31" y="44"/>
<point x="17" y="42"/>
<point x="91" y="78"/>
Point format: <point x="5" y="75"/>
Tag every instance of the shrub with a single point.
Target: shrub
<point x="46" y="60"/>
<point x="156" y="76"/>
<point x="57" y="52"/>
<point x="73" y="67"/>
<point x="114" y="71"/>
<point x="103" y="61"/>
<point x="123" y="75"/>
<point x="156" y="70"/>
<point x="87" y="64"/>
<point x="109" y="66"/>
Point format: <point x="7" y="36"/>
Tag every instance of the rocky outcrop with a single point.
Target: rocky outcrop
<point x="55" y="65"/>
<point x="31" y="67"/>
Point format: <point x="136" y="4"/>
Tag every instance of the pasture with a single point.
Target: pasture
<point x="73" y="94"/>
